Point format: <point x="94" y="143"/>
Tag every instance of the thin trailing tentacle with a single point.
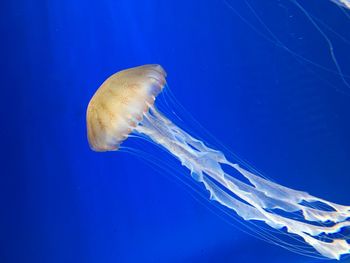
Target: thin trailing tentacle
<point x="342" y="3"/>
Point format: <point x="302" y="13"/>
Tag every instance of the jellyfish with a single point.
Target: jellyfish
<point x="125" y="104"/>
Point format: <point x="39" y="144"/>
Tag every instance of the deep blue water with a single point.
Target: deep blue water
<point x="261" y="80"/>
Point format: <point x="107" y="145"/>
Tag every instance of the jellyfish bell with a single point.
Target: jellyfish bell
<point x="120" y="103"/>
<point x="124" y="104"/>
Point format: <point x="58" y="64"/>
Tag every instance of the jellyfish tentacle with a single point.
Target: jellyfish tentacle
<point x="273" y="202"/>
<point x="333" y="249"/>
<point x="278" y="191"/>
<point x="342" y="3"/>
<point x="254" y="201"/>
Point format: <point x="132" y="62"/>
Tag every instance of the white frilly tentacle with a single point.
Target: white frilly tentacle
<point x="257" y="198"/>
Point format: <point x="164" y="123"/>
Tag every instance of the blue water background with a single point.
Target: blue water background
<point x="61" y="202"/>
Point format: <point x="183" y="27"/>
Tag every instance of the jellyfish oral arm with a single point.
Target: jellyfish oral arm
<point x="256" y="200"/>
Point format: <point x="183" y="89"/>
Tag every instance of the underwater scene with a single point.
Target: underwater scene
<point x="175" y="131"/>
